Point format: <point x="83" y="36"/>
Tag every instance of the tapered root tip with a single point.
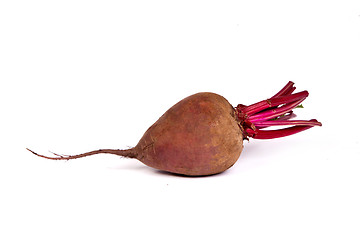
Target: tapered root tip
<point x="52" y="158"/>
<point x="131" y="153"/>
<point x="32" y="151"/>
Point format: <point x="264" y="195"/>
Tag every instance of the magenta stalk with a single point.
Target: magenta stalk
<point x="275" y="111"/>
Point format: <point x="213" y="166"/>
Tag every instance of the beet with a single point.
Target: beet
<point x="203" y="134"/>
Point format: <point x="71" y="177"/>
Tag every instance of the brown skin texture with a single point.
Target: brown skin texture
<point x="197" y="136"/>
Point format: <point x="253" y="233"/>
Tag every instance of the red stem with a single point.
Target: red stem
<point x="282" y="118"/>
<point x="270" y="134"/>
<point x="311" y="122"/>
<point x="273" y="102"/>
<point x="275" y="111"/>
<point x="270" y="114"/>
<point x="288" y="89"/>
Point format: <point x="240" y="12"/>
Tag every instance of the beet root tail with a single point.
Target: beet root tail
<point x="130" y="153"/>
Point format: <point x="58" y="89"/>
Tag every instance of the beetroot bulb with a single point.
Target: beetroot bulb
<point x="203" y="134"/>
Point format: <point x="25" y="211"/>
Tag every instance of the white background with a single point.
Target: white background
<point x="83" y="75"/>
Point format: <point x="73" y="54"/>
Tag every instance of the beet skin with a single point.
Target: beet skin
<point x="197" y="136"/>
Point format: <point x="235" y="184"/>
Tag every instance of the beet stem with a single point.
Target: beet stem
<point x="273" y="102"/>
<point x="272" y="113"/>
<point x="270" y="134"/>
<point x="283" y="118"/>
<point x="275" y="111"/>
<point x="288" y="89"/>
<point x="124" y="153"/>
<point x="287" y="116"/>
<point x="311" y="122"/>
